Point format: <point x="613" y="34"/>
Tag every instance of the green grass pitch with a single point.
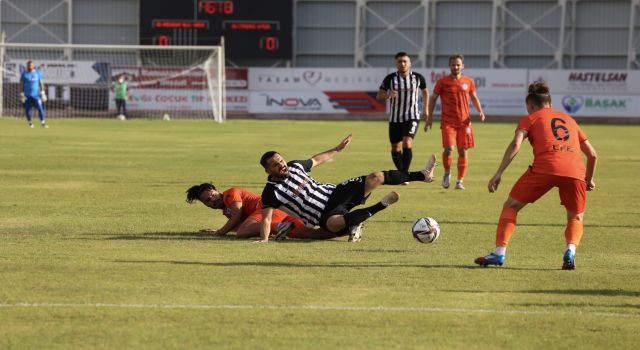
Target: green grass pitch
<point x="98" y="248"/>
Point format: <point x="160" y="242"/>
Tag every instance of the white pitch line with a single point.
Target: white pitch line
<point x="319" y="308"/>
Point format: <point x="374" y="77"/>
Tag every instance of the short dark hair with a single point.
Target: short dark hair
<point x="194" y="192"/>
<point x="538" y="93"/>
<point x="265" y="158"/>
<point x="456" y="56"/>
<point x="401" y="54"/>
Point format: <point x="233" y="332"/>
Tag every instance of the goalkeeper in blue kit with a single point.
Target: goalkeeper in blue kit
<point x="33" y="94"/>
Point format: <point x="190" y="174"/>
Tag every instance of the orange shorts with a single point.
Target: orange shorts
<point x="277" y="217"/>
<point x="531" y="186"/>
<point x="461" y="137"/>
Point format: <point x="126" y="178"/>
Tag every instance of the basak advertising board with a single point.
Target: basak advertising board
<point x="578" y="105"/>
<point x="316" y="79"/>
<point x="597" y="82"/>
<point x="180" y="100"/>
<point x="309" y="102"/>
<point x="61" y="72"/>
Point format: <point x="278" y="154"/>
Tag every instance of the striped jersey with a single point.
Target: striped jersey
<point x="405" y="106"/>
<point x="298" y="194"/>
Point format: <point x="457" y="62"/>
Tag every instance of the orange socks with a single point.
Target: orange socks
<point x="506" y="226"/>
<point x="446" y="163"/>
<point x="463" y="164"/>
<point x="573" y="232"/>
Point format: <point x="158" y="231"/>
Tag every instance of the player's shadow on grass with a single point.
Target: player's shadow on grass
<point x="585" y="292"/>
<point x="577" y="305"/>
<point x="190" y="235"/>
<point x="169" y="236"/>
<point x="294" y="265"/>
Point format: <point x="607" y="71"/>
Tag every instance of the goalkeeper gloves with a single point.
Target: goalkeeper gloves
<point x="43" y="96"/>
<point x="23" y="98"/>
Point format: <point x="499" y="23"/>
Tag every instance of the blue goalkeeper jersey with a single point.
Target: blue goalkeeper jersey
<point x="31" y="82"/>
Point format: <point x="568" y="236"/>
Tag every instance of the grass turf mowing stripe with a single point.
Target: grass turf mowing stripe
<point x="316" y="307"/>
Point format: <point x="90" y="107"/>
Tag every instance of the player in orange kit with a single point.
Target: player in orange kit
<point x="556" y="140"/>
<point x="455" y="121"/>
<point x="243" y="208"/>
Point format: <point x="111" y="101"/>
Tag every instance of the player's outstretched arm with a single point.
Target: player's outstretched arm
<point x="592" y="160"/>
<point x="326" y="155"/>
<point x="510" y="153"/>
<point x="265" y="225"/>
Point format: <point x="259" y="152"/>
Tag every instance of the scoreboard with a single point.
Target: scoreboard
<point x="251" y="28"/>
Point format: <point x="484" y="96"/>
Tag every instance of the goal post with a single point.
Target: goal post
<point x="176" y="81"/>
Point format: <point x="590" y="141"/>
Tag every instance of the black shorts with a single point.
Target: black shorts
<point x="345" y="197"/>
<point x="397" y="131"/>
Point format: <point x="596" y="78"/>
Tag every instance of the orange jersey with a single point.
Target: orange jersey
<point x="454" y="97"/>
<point x="250" y="201"/>
<point x="555" y="138"/>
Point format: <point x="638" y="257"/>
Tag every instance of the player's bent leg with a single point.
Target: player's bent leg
<point x="504" y="231"/>
<point x="572" y="234"/>
<point x="305" y="232"/>
<point x="250" y="228"/>
<point x="377" y="178"/>
<point x="337" y="223"/>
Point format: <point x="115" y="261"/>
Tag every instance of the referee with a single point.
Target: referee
<point x="403" y="88"/>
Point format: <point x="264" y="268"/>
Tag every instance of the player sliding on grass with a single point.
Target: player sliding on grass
<point x="244" y="210"/>
<point x="291" y="188"/>
<point x="556" y="140"/>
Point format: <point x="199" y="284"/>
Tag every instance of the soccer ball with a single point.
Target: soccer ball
<point x="122" y="117"/>
<point x="166" y="117"/>
<point x="425" y="230"/>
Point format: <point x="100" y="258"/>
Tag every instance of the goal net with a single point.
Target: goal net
<point x="82" y="80"/>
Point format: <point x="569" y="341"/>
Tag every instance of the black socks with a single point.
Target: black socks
<point x="397" y="160"/>
<point x="360" y="215"/>
<point x="407" y="156"/>
<point x="395" y="177"/>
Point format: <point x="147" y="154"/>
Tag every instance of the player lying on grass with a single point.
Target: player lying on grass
<point x="243" y="208"/>
<point x="556" y="140"/>
<point x="291" y="188"/>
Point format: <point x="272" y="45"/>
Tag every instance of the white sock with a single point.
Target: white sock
<point x="572" y="248"/>
<point x="500" y="251"/>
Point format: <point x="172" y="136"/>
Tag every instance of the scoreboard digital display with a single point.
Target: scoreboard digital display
<point x="251" y="28"/>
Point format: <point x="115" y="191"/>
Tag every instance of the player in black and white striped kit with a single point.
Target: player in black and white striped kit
<point x="404" y="88"/>
<point x="290" y="188"/>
